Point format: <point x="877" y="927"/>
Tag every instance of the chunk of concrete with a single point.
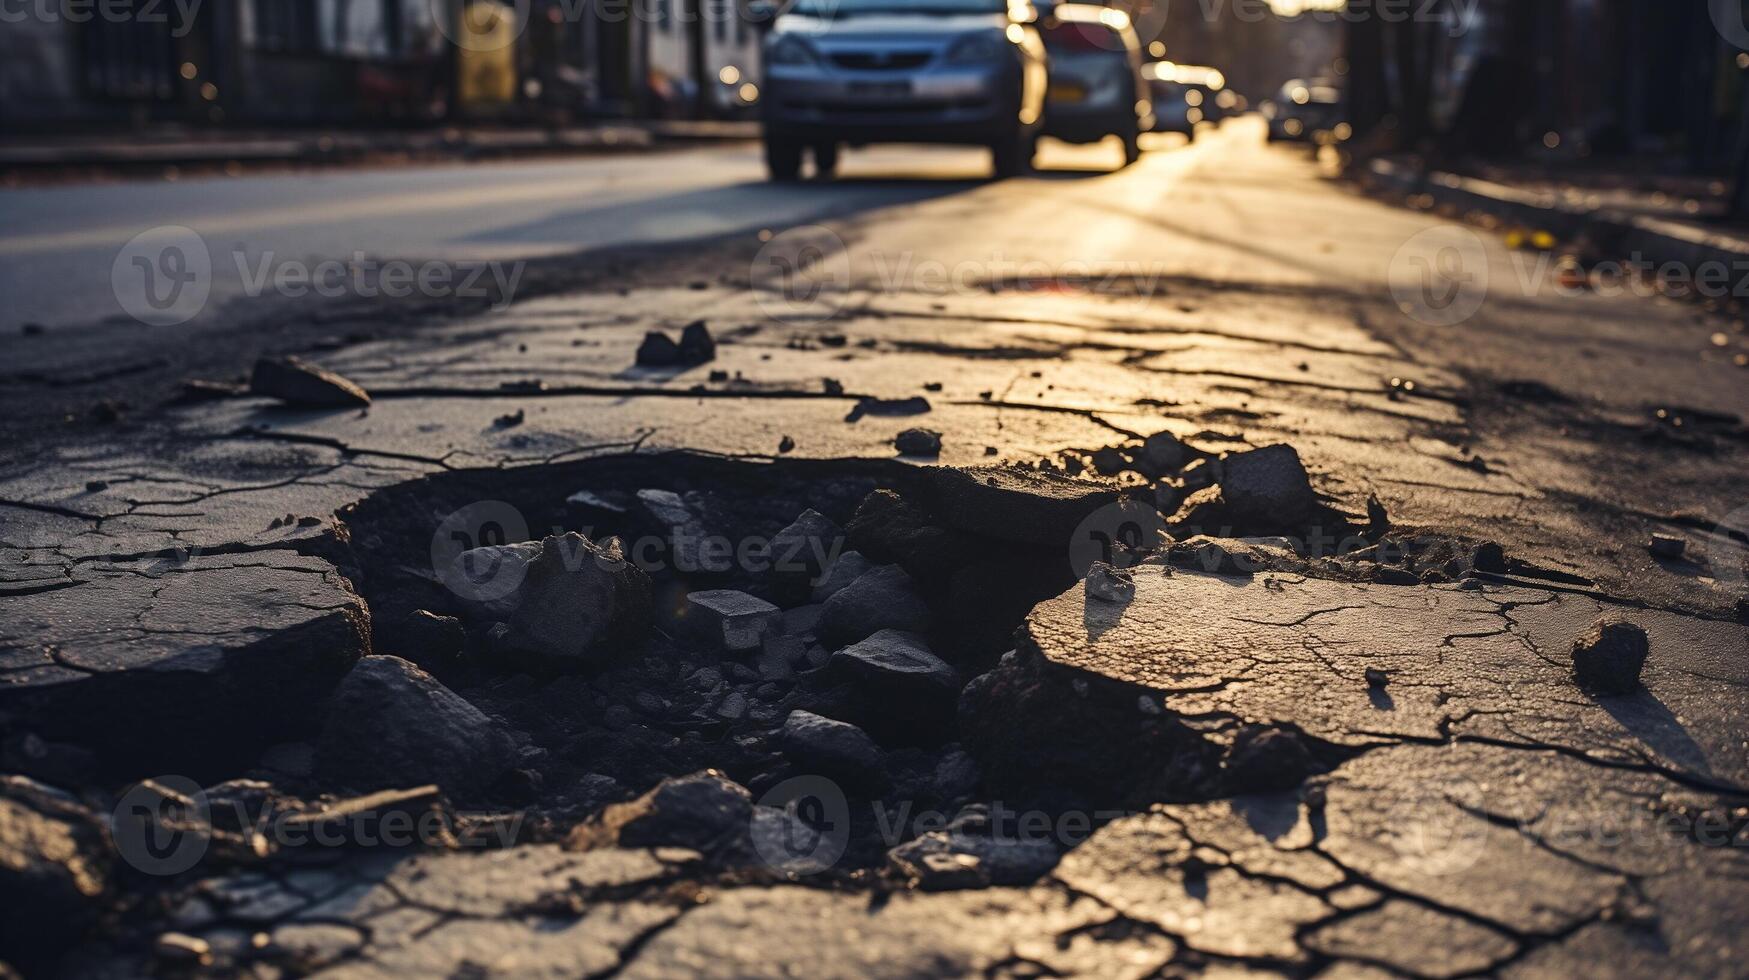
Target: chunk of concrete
<point x="304" y="385"/>
<point x="390" y="724"/>
<point x="1609" y="657"/>
<point x="582" y="605"/>
<point x="730" y="620"/>
<point x="835" y="749"/>
<point x="882" y="599"/>
<point x="702" y="811"/>
<point x="1268" y="486"/>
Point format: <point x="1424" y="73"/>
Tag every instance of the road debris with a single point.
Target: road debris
<point x="302" y="385"/>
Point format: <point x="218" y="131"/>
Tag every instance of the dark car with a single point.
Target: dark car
<point x="1302" y="109"/>
<point x="902" y="71"/>
<point x="1185" y="95"/>
<point x="1096" y="86"/>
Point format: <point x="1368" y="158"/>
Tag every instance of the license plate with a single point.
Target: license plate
<point x="883" y="89"/>
<point x="1063" y="92"/>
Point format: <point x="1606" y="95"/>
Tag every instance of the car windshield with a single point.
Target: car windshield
<point x="853" y="8"/>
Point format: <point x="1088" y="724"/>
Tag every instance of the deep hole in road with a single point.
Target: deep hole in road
<point x="783" y="598"/>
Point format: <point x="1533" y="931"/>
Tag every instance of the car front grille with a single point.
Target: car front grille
<point x="880" y="60"/>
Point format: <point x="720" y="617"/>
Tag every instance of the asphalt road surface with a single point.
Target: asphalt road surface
<point x="1363" y="697"/>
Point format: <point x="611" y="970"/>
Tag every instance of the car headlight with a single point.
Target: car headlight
<point x="977" y="48"/>
<point x="792" y="50"/>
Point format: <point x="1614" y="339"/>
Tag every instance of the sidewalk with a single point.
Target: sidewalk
<point x="193" y="148"/>
<point x="1616" y="223"/>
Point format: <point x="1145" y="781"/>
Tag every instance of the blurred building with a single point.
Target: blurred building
<point x="335" y="62"/>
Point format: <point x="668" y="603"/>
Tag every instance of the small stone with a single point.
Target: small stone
<point x="733" y="707"/>
<point x="778" y="657"/>
<point x="1008" y="859"/>
<point x="806" y="548"/>
<point x="1161" y="453"/>
<point x="1609" y="657"/>
<point x="696" y="344"/>
<point x="581" y="605"/>
<point x="1489" y="557"/>
<point x="511" y="420"/>
<point x="658" y="350"/>
<point x="849" y="567"/>
<point x="895" y="660"/>
<point x="1376" y="678"/>
<point x="786" y="445"/>
<point x="487" y="580"/>
<point x="427" y="638"/>
<point x="179" y="947"/>
<point x="1108" y="584"/>
<point x="1111" y="460"/>
<point x="304" y="385"/>
<point x="699" y="812"/>
<point x="918" y="442"/>
<point x="835" y="749"/>
<point x="391" y="724"/>
<point x="1268" y="486"/>
<point x="1667" y="546"/>
<point x="733" y="621"/>
<point x="884" y="598"/>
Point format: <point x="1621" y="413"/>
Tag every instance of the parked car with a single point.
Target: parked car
<point x="856" y="72"/>
<point x="1302" y="109"/>
<point x="1096" y="85"/>
<point x="1185" y="95"/>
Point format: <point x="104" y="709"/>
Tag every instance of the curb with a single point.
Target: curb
<point x="344" y="147"/>
<point x="1658" y="241"/>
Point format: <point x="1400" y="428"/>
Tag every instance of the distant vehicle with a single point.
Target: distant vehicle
<point x="1302" y="109"/>
<point x="902" y="71"/>
<point x="1185" y="95"/>
<point x="1096" y="87"/>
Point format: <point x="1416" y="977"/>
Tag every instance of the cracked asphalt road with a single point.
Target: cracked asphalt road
<point x="189" y="563"/>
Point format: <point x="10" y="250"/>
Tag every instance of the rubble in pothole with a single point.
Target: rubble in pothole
<point x="606" y="685"/>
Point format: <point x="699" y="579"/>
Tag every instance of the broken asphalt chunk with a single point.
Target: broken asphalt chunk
<point x="730" y="620"/>
<point x="918" y="442"/>
<point x="884" y="598"/>
<point x="1268" y="487"/>
<point x="390" y="724"/>
<point x="304" y="385"/>
<point x="581" y="605"/>
<point x="1609" y="657"/>
<point x="702" y="812"/>
<point x="1014" y="504"/>
<point x="834" y="749"/>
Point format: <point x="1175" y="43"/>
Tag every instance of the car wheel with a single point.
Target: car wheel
<point x="783" y="158"/>
<point x="825" y="160"/>
<point x="1012" y="155"/>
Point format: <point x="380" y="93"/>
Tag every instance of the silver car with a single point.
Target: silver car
<point x="902" y="71"/>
